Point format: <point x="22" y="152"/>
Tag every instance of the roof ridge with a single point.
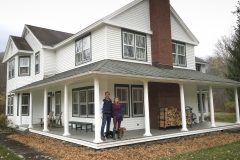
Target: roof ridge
<point x="48" y="29"/>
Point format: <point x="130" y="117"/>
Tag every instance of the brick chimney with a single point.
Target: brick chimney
<point x="161" y="39"/>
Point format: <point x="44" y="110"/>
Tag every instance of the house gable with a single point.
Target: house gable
<point x="136" y="17"/>
<point x="180" y="32"/>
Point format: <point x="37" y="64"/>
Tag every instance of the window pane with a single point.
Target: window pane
<point x="83" y="96"/>
<point x="140" y="41"/>
<point x="181" y="50"/>
<point x="24" y="109"/>
<point x="11" y="101"/>
<point x="181" y="59"/>
<point x="122" y="93"/>
<point x="128" y="51"/>
<point x="90" y="95"/>
<point x="91" y="109"/>
<point x="83" y="109"/>
<point x="79" y="46"/>
<point x="125" y="105"/>
<point x="174" y="58"/>
<point x="58" y="98"/>
<point x="140" y="53"/>
<point x="37" y="59"/>
<point x="75" y="109"/>
<point x="25" y="100"/>
<point x="138" y="108"/>
<point x="86" y="54"/>
<point x="86" y="43"/>
<point x="11" y="110"/>
<point x="24" y="70"/>
<point x="24" y="62"/>
<point x="173" y="48"/>
<point x="137" y="95"/>
<point x="128" y="38"/>
<point x="75" y="97"/>
<point x="58" y="109"/>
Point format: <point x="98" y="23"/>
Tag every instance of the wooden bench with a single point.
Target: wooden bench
<point x="81" y="124"/>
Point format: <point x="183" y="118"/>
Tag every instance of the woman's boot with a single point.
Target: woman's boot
<point x="114" y="132"/>
<point x="119" y="133"/>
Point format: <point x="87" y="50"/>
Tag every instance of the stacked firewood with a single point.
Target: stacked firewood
<point x="170" y="117"/>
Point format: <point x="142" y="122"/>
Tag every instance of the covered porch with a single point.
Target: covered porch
<point x="141" y="126"/>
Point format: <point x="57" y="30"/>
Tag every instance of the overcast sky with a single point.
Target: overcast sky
<point x="207" y="19"/>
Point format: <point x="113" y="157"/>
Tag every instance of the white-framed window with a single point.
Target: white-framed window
<point x="25" y="104"/>
<point x="24" y="66"/>
<point x="122" y="93"/>
<point x="83" y="102"/>
<point x="57" y="103"/>
<point x="83" y="50"/>
<point x="11" y="68"/>
<point x="134" y="46"/>
<point x="178" y="54"/>
<point x="37" y="63"/>
<point x="10" y="106"/>
<point x="137" y="101"/>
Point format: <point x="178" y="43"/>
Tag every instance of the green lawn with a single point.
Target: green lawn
<point x="225" y="117"/>
<point x="225" y="152"/>
<point x="7" y="154"/>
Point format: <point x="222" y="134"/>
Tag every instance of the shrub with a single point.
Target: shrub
<point x="3" y="121"/>
<point x="230" y="106"/>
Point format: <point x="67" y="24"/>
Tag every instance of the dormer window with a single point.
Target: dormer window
<point x="24" y="66"/>
<point x="178" y="54"/>
<point x="134" y="45"/>
<point x="83" y="50"/>
<point x="198" y="67"/>
<point x="37" y="63"/>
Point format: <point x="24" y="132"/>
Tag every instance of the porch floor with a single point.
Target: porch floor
<point x="132" y="134"/>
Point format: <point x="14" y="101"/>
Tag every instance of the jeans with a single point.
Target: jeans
<point x="106" y="117"/>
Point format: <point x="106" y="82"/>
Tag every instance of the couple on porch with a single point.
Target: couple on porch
<point x="110" y="110"/>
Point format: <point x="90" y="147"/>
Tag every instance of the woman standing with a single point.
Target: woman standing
<point x="118" y="113"/>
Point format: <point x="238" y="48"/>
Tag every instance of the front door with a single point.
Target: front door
<point x="49" y="102"/>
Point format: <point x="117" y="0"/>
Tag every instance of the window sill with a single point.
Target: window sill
<point x="141" y="60"/>
<point x="136" y="116"/>
<point x="23" y="75"/>
<point x="9" y="114"/>
<point x="82" y="62"/>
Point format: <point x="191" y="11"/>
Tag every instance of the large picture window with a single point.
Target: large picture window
<point x="83" y="50"/>
<point x="57" y="103"/>
<point x="37" y="63"/>
<point x="178" y="54"/>
<point x="122" y="92"/>
<point x="10" y="106"/>
<point x="25" y="104"/>
<point x="134" y="46"/>
<point x="24" y="66"/>
<point x="11" y="68"/>
<point x="137" y="101"/>
<point x="83" y="102"/>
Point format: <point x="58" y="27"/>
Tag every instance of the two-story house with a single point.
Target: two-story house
<point x="143" y="53"/>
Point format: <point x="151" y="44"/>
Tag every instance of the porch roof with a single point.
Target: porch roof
<point x="114" y="67"/>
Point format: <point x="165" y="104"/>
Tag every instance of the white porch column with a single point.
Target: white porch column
<point x="201" y="105"/>
<point x="236" y="105"/>
<point x="146" y="109"/>
<point x="97" y="111"/>
<point x="66" y="113"/>
<point x="211" y="107"/>
<point x="20" y="109"/>
<point x="45" y="128"/>
<point x="182" y="99"/>
<point x="30" y="112"/>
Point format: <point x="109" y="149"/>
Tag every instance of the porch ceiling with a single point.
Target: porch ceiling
<point x="135" y="70"/>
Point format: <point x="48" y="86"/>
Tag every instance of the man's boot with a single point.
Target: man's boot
<point x="114" y="132"/>
<point x="119" y="133"/>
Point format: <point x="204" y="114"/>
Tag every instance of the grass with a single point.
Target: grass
<point x="7" y="154"/>
<point x="225" y="117"/>
<point x="224" y="152"/>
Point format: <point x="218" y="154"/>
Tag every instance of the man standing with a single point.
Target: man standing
<point x="106" y="113"/>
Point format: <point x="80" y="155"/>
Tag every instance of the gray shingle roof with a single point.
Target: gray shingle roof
<point x="21" y="43"/>
<point x="199" y="60"/>
<point x="48" y="37"/>
<point x="121" y="67"/>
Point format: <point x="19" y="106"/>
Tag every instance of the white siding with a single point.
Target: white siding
<point x="190" y="95"/>
<point x="49" y="62"/>
<point x="190" y="58"/>
<point x="178" y="32"/>
<point x="137" y="17"/>
<point x="65" y="56"/>
<point x="11" y="50"/>
<point x="114" y="46"/>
